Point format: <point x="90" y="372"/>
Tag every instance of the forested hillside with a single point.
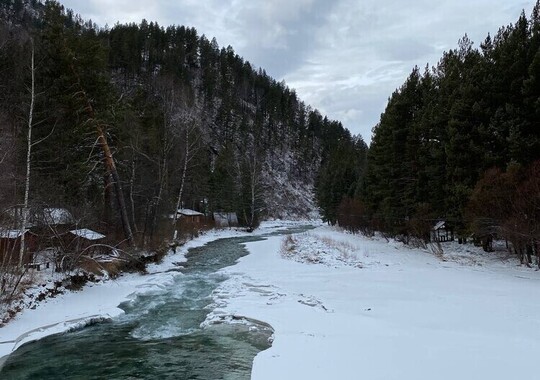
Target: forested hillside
<point x="460" y="142"/>
<point x="190" y="124"/>
<point x="187" y="124"/>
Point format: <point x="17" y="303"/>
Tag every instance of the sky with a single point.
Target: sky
<point x="343" y="57"/>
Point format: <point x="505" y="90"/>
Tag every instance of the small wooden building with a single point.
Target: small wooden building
<point x="441" y="232"/>
<point x="10" y="245"/>
<point x="53" y="217"/>
<point x="38" y="217"/>
<point x="192" y="216"/>
<point x="87" y="241"/>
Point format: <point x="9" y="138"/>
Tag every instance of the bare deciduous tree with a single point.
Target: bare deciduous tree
<point x="190" y="146"/>
<point x="26" y="210"/>
<point x="181" y="131"/>
<point x="254" y="183"/>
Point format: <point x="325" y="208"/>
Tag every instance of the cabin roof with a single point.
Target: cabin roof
<point x="440" y="225"/>
<point x="57" y="216"/>
<point x="11" y="234"/>
<point x="87" y="234"/>
<point x="189" y="212"/>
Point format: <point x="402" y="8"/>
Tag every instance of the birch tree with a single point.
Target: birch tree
<point x="29" y="144"/>
<point x="181" y="131"/>
<point x="253" y="187"/>
<point x="190" y="147"/>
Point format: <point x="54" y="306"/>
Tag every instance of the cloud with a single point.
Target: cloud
<point x="344" y="57"/>
<point x="278" y="35"/>
<point x="367" y="49"/>
<point x="107" y="12"/>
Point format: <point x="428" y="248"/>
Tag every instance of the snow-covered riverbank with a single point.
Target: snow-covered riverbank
<point x="100" y="301"/>
<point x="348" y="307"/>
<point x="345" y="307"/>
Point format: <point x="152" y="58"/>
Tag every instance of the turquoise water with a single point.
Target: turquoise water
<point x="159" y="337"/>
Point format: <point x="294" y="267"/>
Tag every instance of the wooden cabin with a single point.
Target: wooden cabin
<point x="441" y="232"/>
<point x="192" y="216"/>
<point x="58" y="218"/>
<point x="87" y="241"/>
<point x="10" y="245"/>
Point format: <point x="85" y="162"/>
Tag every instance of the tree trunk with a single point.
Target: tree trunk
<point x="131" y="187"/>
<point x="163" y="168"/>
<point x="108" y="159"/>
<point x="182" y="181"/>
<point x="253" y="190"/>
<point x="25" y="210"/>
<point x="107" y="199"/>
<point x="121" y="204"/>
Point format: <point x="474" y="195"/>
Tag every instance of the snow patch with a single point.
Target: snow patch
<point x="461" y="314"/>
<point x="87" y="234"/>
<point x="100" y="301"/>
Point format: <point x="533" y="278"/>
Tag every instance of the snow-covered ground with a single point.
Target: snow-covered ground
<point x="349" y="307"/>
<point x="346" y="307"/>
<point x="98" y="301"/>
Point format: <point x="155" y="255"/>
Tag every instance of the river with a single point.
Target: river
<point x="159" y="336"/>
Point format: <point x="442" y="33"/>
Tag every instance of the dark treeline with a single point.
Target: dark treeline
<point x="458" y="142"/>
<point x="188" y="123"/>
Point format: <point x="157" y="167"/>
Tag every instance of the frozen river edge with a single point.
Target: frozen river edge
<point x="98" y="302"/>
<point x="345" y="306"/>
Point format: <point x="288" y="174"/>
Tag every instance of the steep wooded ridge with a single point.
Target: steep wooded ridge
<point x="189" y="124"/>
<point x="460" y="142"/>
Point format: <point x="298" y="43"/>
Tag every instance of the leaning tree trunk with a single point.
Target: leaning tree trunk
<point x="108" y="159"/>
<point x="110" y="166"/>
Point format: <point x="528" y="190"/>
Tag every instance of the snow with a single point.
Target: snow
<point x="87" y="234"/>
<point x="348" y="307"/>
<point x="295" y="198"/>
<point x="98" y="301"/>
<point x="188" y="212"/>
<point x="11" y="234"/>
<point x="53" y="216"/>
<point x="68" y="311"/>
<point x="439" y="225"/>
<point x="344" y="306"/>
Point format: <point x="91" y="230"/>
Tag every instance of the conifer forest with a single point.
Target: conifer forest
<point x="122" y="125"/>
<point x="186" y="123"/>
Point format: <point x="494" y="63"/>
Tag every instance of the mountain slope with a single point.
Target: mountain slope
<point x="189" y="123"/>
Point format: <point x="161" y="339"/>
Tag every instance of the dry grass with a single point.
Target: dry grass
<point x="316" y="249"/>
<point x="98" y="267"/>
<point x="344" y="247"/>
<point x="346" y="250"/>
<point x="437" y="249"/>
<point x="288" y="245"/>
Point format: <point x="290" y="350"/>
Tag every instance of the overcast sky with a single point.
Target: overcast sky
<point x="343" y="57"/>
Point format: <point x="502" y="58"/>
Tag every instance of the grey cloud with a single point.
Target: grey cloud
<point x="357" y="107"/>
<point x="109" y="12"/>
<point x="274" y="35"/>
<point x="406" y="49"/>
<point x="344" y="57"/>
<point x="280" y="34"/>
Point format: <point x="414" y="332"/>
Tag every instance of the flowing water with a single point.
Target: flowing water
<point x="158" y="337"/>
